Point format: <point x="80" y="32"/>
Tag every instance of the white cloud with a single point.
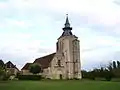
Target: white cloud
<point x="7" y="22"/>
<point x="29" y="28"/>
<point x="3" y="5"/>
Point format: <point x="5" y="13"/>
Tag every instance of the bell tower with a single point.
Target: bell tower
<point x="68" y="52"/>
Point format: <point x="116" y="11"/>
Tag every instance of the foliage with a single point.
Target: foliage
<point x="112" y="70"/>
<point x="118" y="64"/>
<point x="29" y="77"/>
<point x="1" y="63"/>
<point x="1" y="74"/>
<point x="35" y="68"/>
<point x="2" y="70"/>
<point x="6" y="76"/>
<point x="107" y="75"/>
<point x="4" y="73"/>
<point x="115" y="68"/>
<point x="114" y="65"/>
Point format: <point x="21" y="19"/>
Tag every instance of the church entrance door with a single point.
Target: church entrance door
<point x="60" y="76"/>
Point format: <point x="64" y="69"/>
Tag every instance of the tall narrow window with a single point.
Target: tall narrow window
<point x="59" y="63"/>
<point x="63" y="54"/>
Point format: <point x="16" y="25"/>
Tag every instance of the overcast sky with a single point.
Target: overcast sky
<point x="29" y="29"/>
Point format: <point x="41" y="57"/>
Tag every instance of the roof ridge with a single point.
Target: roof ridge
<point x="26" y="65"/>
<point x="46" y="55"/>
<point x="45" y="60"/>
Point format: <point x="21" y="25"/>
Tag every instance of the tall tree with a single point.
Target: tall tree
<point x="35" y="68"/>
<point x="118" y="64"/>
<point x="109" y="67"/>
<point x="114" y="65"/>
<point x="2" y="70"/>
<point x="1" y="63"/>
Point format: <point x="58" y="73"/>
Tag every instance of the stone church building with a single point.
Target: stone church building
<point x="65" y="62"/>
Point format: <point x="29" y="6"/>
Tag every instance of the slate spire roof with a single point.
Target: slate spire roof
<point x="67" y="29"/>
<point x="67" y="24"/>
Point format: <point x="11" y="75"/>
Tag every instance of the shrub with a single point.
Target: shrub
<point x="29" y="77"/>
<point x="76" y="79"/>
<point x="108" y="78"/>
<point x="6" y="77"/>
<point x="108" y="75"/>
<point x="35" y="68"/>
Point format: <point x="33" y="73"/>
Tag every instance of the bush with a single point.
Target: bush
<point x="6" y="77"/>
<point x="76" y="79"/>
<point x="108" y="75"/>
<point x="29" y="77"/>
<point x="35" y="68"/>
<point x="108" y="78"/>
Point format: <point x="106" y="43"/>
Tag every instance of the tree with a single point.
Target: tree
<point x="109" y="67"/>
<point x="114" y="65"/>
<point x="35" y="68"/>
<point x="2" y="64"/>
<point x="118" y="64"/>
<point x="108" y="75"/>
<point x="116" y="70"/>
<point x="2" y="70"/>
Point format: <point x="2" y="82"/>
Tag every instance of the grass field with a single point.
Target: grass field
<point x="59" y="85"/>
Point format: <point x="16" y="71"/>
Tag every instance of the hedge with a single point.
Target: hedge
<point x="29" y="77"/>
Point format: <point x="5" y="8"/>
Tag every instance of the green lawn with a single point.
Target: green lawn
<point x="59" y="85"/>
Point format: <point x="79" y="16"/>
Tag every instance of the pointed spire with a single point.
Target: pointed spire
<point x="67" y="24"/>
<point x="67" y="29"/>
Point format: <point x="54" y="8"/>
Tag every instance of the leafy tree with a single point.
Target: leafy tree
<point x="2" y="64"/>
<point x="109" y="67"/>
<point x="35" y="68"/>
<point x="108" y="75"/>
<point x="114" y="65"/>
<point x="118" y="64"/>
<point x="116" y="72"/>
<point x="2" y="70"/>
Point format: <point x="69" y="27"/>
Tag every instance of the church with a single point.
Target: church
<point x="65" y="62"/>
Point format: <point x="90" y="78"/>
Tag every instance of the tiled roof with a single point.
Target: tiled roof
<point x="9" y="64"/>
<point x="45" y="61"/>
<point x="26" y="66"/>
